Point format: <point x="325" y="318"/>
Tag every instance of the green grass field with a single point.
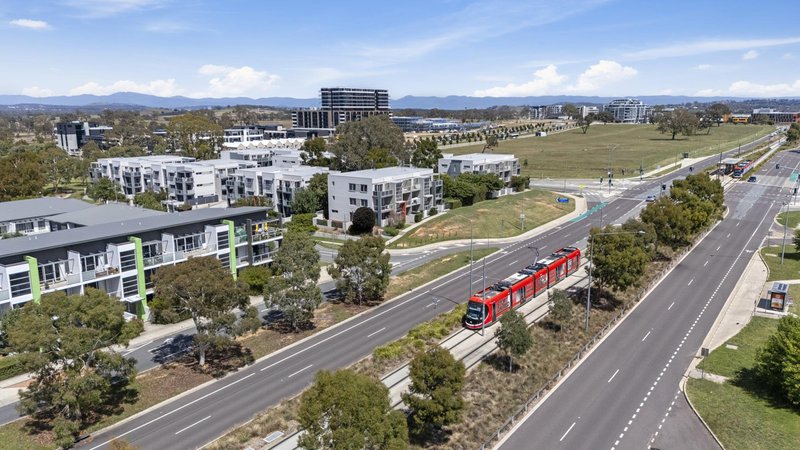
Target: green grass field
<point x="790" y="269"/>
<point x="792" y="223"/>
<point x="573" y="154"/>
<point x="726" y="362"/>
<point x="491" y="219"/>
<point x="740" y="411"/>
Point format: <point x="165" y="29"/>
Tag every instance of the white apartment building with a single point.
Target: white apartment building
<point x="266" y="144"/>
<point x="278" y="184"/>
<point x="628" y="110"/>
<point x="392" y="192"/>
<point x="504" y="166"/>
<point x="586" y="110"/>
<point x="202" y="182"/>
<point x="137" y="174"/>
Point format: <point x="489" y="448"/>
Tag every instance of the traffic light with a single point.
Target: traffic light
<point x="664" y="186"/>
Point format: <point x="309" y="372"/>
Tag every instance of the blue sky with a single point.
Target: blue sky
<point x="218" y="48"/>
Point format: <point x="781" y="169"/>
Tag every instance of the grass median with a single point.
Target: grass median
<point x="496" y="218"/>
<point x="790" y="269"/>
<point x="741" y="411"/>
<point x="573" y="154"/>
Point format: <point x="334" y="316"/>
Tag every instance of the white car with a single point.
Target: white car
<point x="650" y="198"/>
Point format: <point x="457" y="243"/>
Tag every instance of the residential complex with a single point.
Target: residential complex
<point x="120" y="257"/>
<point x="394" y="193"/>
<point x="504" y="166"/>
<point x="761" y="115"/>
<point x="32" y="216"/>
<point x="628" y="110"/>
<point x="71" y="136"/>
<point x="277" y="184"/>
<point x="253" y="133"/>
<point x="340" y="105"/>
<point x="420" y="124"/>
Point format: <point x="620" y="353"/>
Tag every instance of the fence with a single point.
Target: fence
<point x="524" y="408"/>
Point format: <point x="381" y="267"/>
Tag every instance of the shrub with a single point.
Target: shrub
<point x="418" y="217"/>
<point x="452" y="203"/>
<point x="520" y="183"/>
<point x="255" y="277"/>
<point x="433" y="211"/>
<point x="162" y="312"/>
<point x="391" y="231"/>
<point x="363" y="221"/>
<point x="302" y="223"/>
<point x="11" y="366"/>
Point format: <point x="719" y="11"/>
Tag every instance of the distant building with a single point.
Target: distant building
<point x="537" y="112"/>
<point x="553" y="111"/>
<point x="392" y="192"/>
<point x="276" y="184"/>
<point x="32" y="216"/>
<point x="418" y="124"/>
<point x="762" y="115"/>
<point x="586" y="110"/>
<point x="504" y="166"/>
<point x="737" y="118"/>
<point x="71" y="136"/>
<point x="340" y="105"/>
<point x="253" y="133"/>
<point x="628" y="110"/>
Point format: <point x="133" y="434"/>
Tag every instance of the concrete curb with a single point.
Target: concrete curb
<point x="682" y="386"/>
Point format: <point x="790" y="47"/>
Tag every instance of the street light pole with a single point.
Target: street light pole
<point x="785" y="220"/>
<point x="483" y="294"/>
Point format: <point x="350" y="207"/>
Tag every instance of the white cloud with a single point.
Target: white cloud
<point x="166" y="27"/>
<point x="106" y="8"/>
<point x="230" y="81"/>
<point x="750" y="54"/>
<point x="702" y="66"/>
<point x="787" y="56"/>
<point x="711" y="46"/>
<point x="30" y="24"/>
<point x="545" y="81"/>
<point x="601" y="74"/>
<point x="747" y="88"/>
<point x="162" y="88"/>
<point x="707" y="93"/>
<point x="36" y="91"/>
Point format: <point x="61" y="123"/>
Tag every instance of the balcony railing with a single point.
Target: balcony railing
<point x="4" y="294"/>
<point x="266" y="234"/>
<point x="263" y="257"/>
<point x="153" y="260"/>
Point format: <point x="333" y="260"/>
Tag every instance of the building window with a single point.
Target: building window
<point x="20" y="284"/>
<point x="363" y="202"/>
<point x="130" y="286"/>
<point x="352" y="187"/>
<point x="41" y="224"/>
<point x="24" y="227"/>
<point x="127" y="260"/>
<point x="352" y="201"/>
<point x="363" y="188"/>
<point x="222" y="239"/>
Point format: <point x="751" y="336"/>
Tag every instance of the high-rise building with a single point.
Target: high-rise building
<point x="71" y="136"/>
<point x="628" y="110"/>
<point x="340" y="105"/>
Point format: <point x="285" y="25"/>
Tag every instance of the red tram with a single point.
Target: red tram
<point x="486" y="307"/>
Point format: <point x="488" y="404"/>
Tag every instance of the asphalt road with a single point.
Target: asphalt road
<point x="624" y="391"/>
<point x="200" y="417"/>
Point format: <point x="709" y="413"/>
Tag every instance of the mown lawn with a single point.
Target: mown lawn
<point x="432" y="270"/>
<point x="790" y="269"/>
<point x="727" y="362"/>
<point x="490" y="219"/>
<point x="794" y="219"/>
<point x="573" y="154"/>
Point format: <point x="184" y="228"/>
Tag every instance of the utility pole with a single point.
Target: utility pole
<point x="483" y="294"/>
<point x="785" y="221"/>
<point x="589" y="290"/>
<point x="469" y="289"/>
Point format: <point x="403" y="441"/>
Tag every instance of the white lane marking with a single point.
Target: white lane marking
<point x="373" y="334"/>
<point x="729" y="235"/>
<point x="705" y="264"/>
<point x="476" y="281"/>
<point x="172" y="412"/>
<point x="645" y="336"/>
<point x="568" y="430"/>
<point x="305" y="349"/>
<point x="690" y="282"/>
<point x="190" y="426"/>
<point x="304" y="368"/>
<point x="513" y="262"/>
<point x="719" y="248"/>
<point x="612" y="376"/>
<point x="670" y="306"/>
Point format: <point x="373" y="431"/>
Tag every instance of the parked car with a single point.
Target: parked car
<point x="751" y="179"/>
<point x="650" y="198"/>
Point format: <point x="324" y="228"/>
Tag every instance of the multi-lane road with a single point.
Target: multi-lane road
<point x="620" y="396"/>
<point x="193" y="420"/>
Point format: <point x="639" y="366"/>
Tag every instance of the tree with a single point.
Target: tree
<point x="314" y="152"/>
<point x="678" y="121"/>
<point x="560" y="308"/>
<point x="195" y="134"/>
<point x="21" y="175"/>
<point x="569" y="110"/>
<point x="701" y="199"/>
<point x="66" y="342"/>
<point x="605" y="117"/>
<point x="295" y="292"/>
<point x="304" y="201"/>
<point x="151" y="200"/>
<point x="426" y="154"/>
<point x="491" y="142"/>
<point x="520" y="183"/>
<point x="58" y="167"/>
<point x="356" y="139"/>
<point x="361" y="270"/>
<point x="302" y="223"/>
<point x="104" y="189"/>
<point x="796" y="240"/>
<point x="618" y="260"/>
<point x="379" y="157"/>
<point x="256" y="278"/>
<point x="205" y="290"/>
<point x="778" y="362"/>
<point x="363" y="221"/>
<point x="513" y="336"/>
<point x="319" y="185"/>
<point x="671" y="224"/>
<point x="349" y="411"/>
<point x="434" y="397"/>
<point x="585" y="122"/>
<point x="717" y="111"/>
<point x="793" y="134"/>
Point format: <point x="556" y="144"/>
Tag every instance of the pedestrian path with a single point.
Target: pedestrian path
<point x="591" y="211"/>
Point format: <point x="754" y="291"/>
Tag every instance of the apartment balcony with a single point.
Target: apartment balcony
<point x="263" y="257"/>
<point x="153" y="260"/>
<point x="383" y="194"/>
<point x="53" y="275"/>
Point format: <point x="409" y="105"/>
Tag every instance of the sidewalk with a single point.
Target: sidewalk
<point x="580" y="208"/>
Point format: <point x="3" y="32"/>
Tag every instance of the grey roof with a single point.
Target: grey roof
<point x="58" y="239"/>
<point x="111" y="212"/>
<point x="388" y="172"/>
<point x="39" y="207"/>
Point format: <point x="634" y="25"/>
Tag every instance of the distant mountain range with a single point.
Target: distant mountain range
<point x="452" y="102"/>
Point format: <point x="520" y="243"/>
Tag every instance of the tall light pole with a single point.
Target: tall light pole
<point x="591" y="265"/>
<point x="785" y="221"/>
<point x="483" y="294"/>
